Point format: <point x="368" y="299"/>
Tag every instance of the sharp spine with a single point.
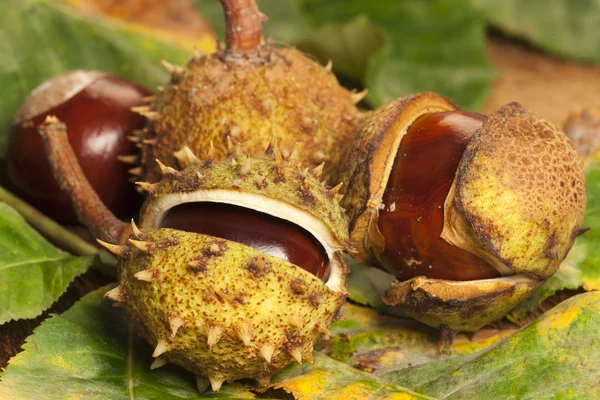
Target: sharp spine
<point x="172" y="68"/>
<point x="161" y="347"/>
<point x="146" y="112"/>
<point x="318" y="171"/>
<point x="117" y="250"/>
<point x="309" y="358"/>
<point x="175" y="323"/>
<point x="137" y="171"/>
<point x="329" y="65"/>
<point x="245" y="333"/>
<point x="150" y="142"/>
<point x="213" y="335"/>
<point x="129" y="159"/>
<point x="297" y="354"/>
<point x="266" y="352"/>
<point x="186" y="157"/>
<point x="147" y="186"/>
<point x="333" y="191"/>
<point x="142" y="245"/>
<point x="166" y="170"/>
<point x="136" y="231"/>
<point x="144" y="275"/>
<point x="245" y="168"/>
<point x="215" y="383"/>
<point x="149" y="99"/>
<point x="157" y="363"/>
<point x="202" y="383"/>
<point x="115" y="294"/>
<point x="357" y="97"/>
<point x="211" y="151"/>
<point x="293" y="153"/>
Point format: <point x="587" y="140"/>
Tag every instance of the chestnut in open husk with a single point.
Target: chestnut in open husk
<point x="224" y="303"/>
<point x="470" y="213"/>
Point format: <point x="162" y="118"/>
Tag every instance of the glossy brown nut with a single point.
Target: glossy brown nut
<point x="263" y="232"/>
<point x="413" y="217"/>
<point x="97" y="112"/>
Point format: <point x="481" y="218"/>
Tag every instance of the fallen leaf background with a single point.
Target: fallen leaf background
<point x="393" y="50"/>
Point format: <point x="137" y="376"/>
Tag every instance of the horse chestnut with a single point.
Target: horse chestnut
<point x="271" y="235"/>
<point x="469" y="213"/>
<point x="96" y="108"/>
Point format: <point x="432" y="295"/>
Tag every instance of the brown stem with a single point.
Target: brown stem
<point x="243" y="23"/>
<point x="90" y="210"/>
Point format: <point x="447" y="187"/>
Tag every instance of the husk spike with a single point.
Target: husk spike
<point x="142" y="245"/>
<point x="115" y="294"/>
<point x="157" y="363"/>
<point x="161" y="347"/>
<point x="266" y="352"/>
<point x="144" y="275"/>
<point x="117" y="250"/>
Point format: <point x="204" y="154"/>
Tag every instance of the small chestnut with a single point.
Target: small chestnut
<point x="96" y="108"/>
<point x="271" y="235"/>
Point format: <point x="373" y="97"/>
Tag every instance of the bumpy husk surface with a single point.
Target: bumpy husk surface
<point x="221" y="309"/>
<point x="251" y="98"/>
<point x="517" y="202"/>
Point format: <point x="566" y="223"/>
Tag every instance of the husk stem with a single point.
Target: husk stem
<point x="243" y="23"/>
<point x="88" y="206"/>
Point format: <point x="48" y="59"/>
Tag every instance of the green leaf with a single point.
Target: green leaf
<point x="349" y="46"/>
<point x="399" y="350"/>
<point x="557" y="356"/>
<point x="90" y="352"/>
<point x="436" y="45"/>
<point x="564" y="27"/>
<point x="33" y="273"/>
<point x="285" y="23"/>
<point x="39" y="40"/>
<point x="366" y="285"/>
<point x="330" y="379"/>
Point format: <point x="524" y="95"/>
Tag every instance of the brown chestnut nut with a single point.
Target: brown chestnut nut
<point x="271" y="235"/>
<point x="412" y="204"/>
<point x="96" y="108"/>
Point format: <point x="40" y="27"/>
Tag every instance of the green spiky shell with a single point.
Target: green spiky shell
<point x="220" y="309"/>
<point x="277" y="92"/>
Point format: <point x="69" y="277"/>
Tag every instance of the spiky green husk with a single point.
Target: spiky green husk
<point x="270" y="177"/>
<point x="221" y="309"/>
<point x="275" y="91"/>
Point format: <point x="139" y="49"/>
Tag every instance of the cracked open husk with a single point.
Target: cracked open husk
<point x="517" y="202"/>
<point x="221" y="309"/>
